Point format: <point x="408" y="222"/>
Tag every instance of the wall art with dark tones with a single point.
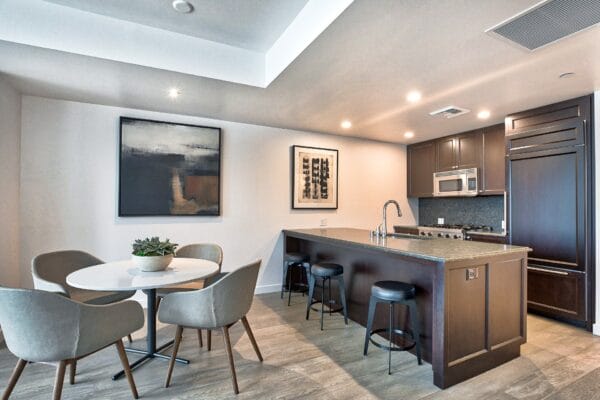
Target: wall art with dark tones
<point x="168" y="169"/>
<point x="314" y="178"/>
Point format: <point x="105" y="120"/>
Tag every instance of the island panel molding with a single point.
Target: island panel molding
<point x="314" y="178"/>
<point x="168" y="169"/>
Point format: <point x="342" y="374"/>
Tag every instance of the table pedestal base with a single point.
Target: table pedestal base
<point x="151" y="350"/>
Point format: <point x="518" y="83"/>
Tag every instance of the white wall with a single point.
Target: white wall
<point x="69" y="170"/>
<point x="10" y="130"/>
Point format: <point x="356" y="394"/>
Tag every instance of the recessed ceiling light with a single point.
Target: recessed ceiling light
<point x="174" y="93"/>
<point x="183" y="6"/>
<point x="566" y="75"/>
<point x="413" y="96"/>
<point x="483" y="114"/>
<point x="346" y="124"/>
<point x="409" y="134"/>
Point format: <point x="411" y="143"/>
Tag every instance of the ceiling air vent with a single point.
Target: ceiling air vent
<point x="449" y="112"/>
<point x="548" y="21"/>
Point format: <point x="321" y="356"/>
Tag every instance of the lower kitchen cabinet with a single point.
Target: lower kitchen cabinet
<point x="556" y="292"/>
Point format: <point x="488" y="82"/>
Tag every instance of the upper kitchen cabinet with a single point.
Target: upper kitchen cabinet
<point x="420" y="168"/>
<point x="460" y="151"/>
<point x="493" y="165"/>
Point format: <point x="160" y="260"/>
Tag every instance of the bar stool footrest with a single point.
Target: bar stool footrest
<point x="394" y="347"/>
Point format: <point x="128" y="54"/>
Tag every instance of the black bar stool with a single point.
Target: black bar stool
<point x="326" y="272"/>
<point x="393" y="292"/>
<point x="291" y="261"/>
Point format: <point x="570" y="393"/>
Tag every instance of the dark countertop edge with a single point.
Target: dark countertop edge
<point x="304" y="235"/>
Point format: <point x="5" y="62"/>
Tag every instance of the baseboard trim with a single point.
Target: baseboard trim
<point x="596" y="329"/>
<point x="276" y="287"/>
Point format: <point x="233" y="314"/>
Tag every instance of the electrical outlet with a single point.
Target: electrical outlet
<point x="503" y="225"/>
<point x="324" y="222"/>
<point x="440" y="221"/>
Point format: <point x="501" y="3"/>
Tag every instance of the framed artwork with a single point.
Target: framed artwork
<point x="315" y="178"/>
<point x="168" y="169"/>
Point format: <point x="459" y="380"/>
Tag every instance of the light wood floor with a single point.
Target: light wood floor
<point x="558" y="362"/>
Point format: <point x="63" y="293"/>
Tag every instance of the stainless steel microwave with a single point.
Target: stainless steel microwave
<point x="460" y="182"/>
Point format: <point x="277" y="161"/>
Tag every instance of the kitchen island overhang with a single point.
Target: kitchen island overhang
<point x="471" y="296"/>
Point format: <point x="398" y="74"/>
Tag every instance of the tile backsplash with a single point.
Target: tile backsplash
<point x="483" y="210"/>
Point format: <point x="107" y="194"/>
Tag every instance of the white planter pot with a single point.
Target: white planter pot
<point x="152" y="263"/>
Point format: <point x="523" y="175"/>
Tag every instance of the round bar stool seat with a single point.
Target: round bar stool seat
<point x="290" y="261"/>
<point x="296" y="258"/>
<point x="326" y="269"/>
<point x="394" y="292"/>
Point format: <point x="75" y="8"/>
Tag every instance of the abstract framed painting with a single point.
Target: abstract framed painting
<point x="168" y="169"/>
<point x="314" y="178"/>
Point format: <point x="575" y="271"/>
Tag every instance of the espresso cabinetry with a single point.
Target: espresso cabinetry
<point x="421" y="166"/>
<point x="550" y="206"/>
<point x="482" y="148"/>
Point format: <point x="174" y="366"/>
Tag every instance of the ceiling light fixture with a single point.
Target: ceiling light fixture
<point x="483" y="114"/>
<point x="182" y="6"/>
<point x="346" y="124"/>
<point x="174" y="93"/>
<point x="413" y="96"/>
<point x="409" y="134"/>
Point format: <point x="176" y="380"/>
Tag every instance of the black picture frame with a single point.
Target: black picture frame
<point x="300" y="201"/>
<point x="142" y="173"/>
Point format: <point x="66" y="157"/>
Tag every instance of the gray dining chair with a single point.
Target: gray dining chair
<point x="218" y="306"/>
<point x="203" y="251"/>
<point x="50" y="270"/>
<point x="40" y="326"/>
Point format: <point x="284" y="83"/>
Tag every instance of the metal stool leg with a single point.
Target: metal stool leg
<point x="289" y="288"/>
<point x="390" y="337"/>
<point x="414" y="322"/>
<point x="284" y="280"/>
<point x="322" y="300"/>
<point x="342" y="290"/>
<point x="372" y="305"/>
<point x="311" y="292"/>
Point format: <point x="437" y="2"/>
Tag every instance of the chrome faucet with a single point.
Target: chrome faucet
<point x="384" y="223"/>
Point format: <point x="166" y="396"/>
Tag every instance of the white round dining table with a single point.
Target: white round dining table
<point x="125" y="276"/>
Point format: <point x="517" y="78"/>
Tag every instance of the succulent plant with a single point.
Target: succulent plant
<point x="153" y="247"/>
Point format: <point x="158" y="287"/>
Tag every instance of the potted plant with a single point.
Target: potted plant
<point x="152" y="255"/>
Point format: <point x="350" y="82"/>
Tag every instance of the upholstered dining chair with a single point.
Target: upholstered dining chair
<point x="50" y="272"/>
<point x="204" y="251"/>
<point x="218" y="306"/>
<point x="40" y="326"/>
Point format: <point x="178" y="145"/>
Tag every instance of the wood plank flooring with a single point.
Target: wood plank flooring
<point x="558" y="362"/>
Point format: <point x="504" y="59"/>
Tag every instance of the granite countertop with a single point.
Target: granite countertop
<point x="429" y="249"/>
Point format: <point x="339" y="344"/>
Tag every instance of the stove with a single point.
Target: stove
<point x="457" y="231"/>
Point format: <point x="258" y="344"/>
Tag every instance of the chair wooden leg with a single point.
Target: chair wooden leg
<point x="126" y="368"/>
<point x="72" y="372"/>
<point x="200" y="338"/>
<point x="12" y="382"/>
<point x="58" y="381"/>
<point x="178" y="335"/>
<point x="230" y="356"/>
<point x="208" y="339"/>
<point x="251" y="337"/>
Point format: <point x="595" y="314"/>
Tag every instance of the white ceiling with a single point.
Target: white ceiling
<point x="360" y="68"/>
<point x="250" y="24"/>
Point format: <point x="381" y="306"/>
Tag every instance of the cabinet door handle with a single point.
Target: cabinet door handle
<point x="550" y="271"/>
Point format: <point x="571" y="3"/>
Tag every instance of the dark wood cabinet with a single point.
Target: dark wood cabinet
<point x="468" y="149"/>
<point x="445" y="154"/>
<point x="493" y="163"/>
<point x="420" y="169"/>
<point x="460" y="151"/>
<point x="482" y="148"/>
<point x="550" y="206"/>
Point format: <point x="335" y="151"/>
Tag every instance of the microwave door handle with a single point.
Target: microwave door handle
<point x="465" y="181"/>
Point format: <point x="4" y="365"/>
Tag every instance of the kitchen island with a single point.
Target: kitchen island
<point x="471" y="296"/>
